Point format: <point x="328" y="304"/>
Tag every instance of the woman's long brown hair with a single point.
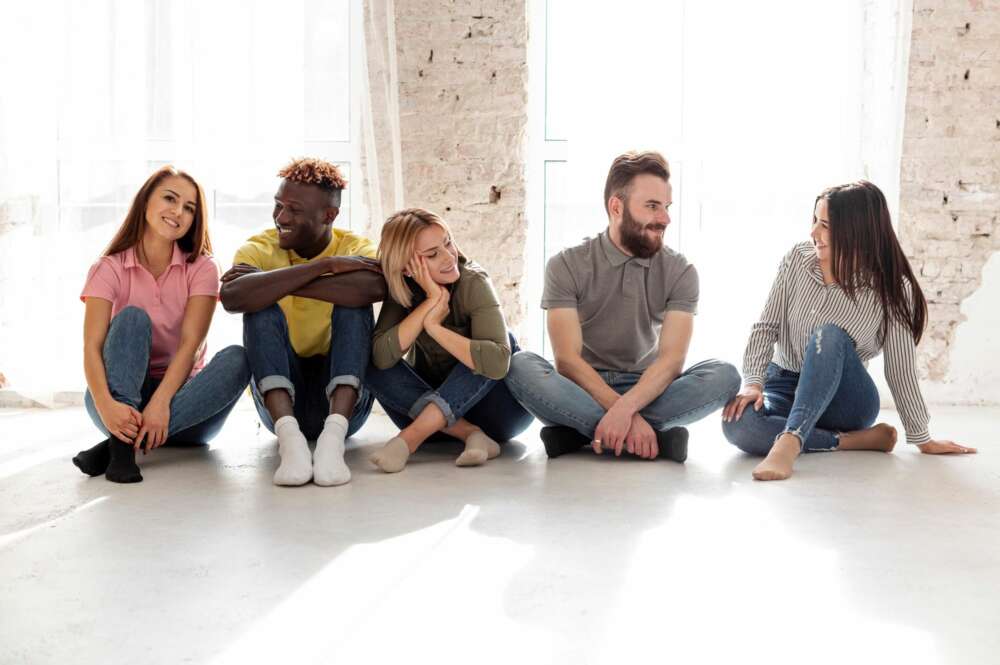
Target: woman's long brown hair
<point x="195" y="242"/>
<point x="865" y="253"/>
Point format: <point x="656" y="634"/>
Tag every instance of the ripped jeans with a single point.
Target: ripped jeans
<point x="833" y="393"/>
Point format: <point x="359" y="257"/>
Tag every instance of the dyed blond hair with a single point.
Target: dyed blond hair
<point x="399" y="240"/>
<point x="317" y="172"/>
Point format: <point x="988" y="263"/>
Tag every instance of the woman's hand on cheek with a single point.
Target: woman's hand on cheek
<point x="417" y="267"/>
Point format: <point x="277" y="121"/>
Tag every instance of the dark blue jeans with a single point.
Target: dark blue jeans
<point x="198" y="409"/>
<point x="310" y="381"/>
<point x="484" y="402"/>
<point x="833" y="393"/>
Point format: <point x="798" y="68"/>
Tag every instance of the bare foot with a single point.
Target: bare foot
<point x="778" y="463"/>
<point x="880" y="437"/>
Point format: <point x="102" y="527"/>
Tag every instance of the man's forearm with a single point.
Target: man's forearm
<point x="254" y="292"/>
<point x="351" y="289"/>
<point x="582" y="374"/>
<point x="652" y="383"/>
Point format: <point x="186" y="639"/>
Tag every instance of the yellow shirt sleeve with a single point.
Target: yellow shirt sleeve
<point x="249" y="254"/>
<point x="355" y="245"/>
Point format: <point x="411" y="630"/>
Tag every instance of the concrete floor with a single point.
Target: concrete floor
<point x="860" y="557"/>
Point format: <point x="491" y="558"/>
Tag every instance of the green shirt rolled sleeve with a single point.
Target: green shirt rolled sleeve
<point x="490" y="348"/>
<point x="386" y="351"/>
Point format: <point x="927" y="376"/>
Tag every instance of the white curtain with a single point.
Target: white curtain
<point x="382" y="142"/>
<point x="99" y="94"/>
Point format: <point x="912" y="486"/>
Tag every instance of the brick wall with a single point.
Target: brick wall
<point x="462" y="86"/>
<point x="950" y="172"/>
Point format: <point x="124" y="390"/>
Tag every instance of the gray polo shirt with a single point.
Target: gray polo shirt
<point x="621" y="300"/>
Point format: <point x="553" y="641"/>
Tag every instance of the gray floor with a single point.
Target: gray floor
<point x="860" y="557"/>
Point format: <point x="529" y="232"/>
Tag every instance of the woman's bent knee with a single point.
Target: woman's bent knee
<point x="830" y="334"/>
<point x="132" y="316"/>
<point x="234" y="358"/>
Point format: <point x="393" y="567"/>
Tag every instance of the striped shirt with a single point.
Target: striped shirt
<point x="800" y="302"/>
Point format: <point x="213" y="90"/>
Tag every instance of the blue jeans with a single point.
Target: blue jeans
<point x="310" y="381"/>
<point x="833" y="393"/>
<point x="484" y="402"/>
<point x="198" y="409"/>
<point x="556" y="400"/>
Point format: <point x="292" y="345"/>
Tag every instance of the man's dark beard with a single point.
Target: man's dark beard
<point x="633" y="238"/>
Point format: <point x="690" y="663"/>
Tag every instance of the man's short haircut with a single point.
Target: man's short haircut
<point x="318" y="172"/>
<point x="626" y="167"/>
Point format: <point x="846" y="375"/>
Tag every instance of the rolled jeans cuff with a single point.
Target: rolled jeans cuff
<point x="342" y="380"/>
<point x="432" y="397"/>
<point x="274" y="381"/>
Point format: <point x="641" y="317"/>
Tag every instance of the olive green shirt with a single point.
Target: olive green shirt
<point x="474" y="312"/>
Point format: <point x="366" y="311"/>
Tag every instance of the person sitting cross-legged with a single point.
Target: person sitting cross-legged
<point x="620" y="312"/>
<point x="305" y="290"/>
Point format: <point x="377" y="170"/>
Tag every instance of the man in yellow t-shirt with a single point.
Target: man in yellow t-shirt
<point x="305" y="290"/>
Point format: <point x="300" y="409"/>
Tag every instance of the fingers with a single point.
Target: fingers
<point x="759" y="402"/>
<point x="729" y="410"/>
<point x="619" y="443"/>
<point x="237" y="270"/>
<point x="139" y="439"/>
<point x="743" y="401"/>
<point x="654" y="448"/>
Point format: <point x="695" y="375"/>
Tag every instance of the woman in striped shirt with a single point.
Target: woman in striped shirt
<point x="837" y="302"/>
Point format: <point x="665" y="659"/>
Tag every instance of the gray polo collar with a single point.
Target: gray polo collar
<point x="615" y="256"/>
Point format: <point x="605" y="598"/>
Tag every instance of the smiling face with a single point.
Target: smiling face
<point x="821" y="232"/>
<point x="303" y="217"/>
<point x="439" y="252"/>
<point x="171" y="208"/>
<point x="639" y="223"/>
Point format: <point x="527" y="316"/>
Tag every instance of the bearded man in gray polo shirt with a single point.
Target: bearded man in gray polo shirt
<point x="620" y="311"/>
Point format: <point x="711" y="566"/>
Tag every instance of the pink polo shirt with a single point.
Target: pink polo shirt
<point x="121" y="279"/>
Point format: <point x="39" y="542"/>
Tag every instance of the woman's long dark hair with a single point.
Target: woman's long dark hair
<point x="195" y="242"/>
<point x="865" y="253"/>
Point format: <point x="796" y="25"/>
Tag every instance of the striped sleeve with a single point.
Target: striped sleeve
<point x="763" y="335"/>
<point x="901" y="375"/>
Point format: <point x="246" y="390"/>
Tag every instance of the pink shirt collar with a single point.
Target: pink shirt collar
<point x="129" y="259"/>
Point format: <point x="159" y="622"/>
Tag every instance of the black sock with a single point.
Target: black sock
<point x="560" y="440"/>
<point x="673" y="444"/>
<point x="122" y="468"/>
<point x="94" y="461"/>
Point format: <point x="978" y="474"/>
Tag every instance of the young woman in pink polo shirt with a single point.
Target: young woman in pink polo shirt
<point x="150" y="300"/>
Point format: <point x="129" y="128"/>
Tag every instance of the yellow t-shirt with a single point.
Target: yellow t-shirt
<point x="308" y="319"/>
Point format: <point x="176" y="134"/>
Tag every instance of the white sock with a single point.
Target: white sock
<point x="329" y="467"/>
<point x="293" y="449"/>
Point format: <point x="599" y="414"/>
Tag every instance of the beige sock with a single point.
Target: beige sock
<point x="391" y="457"/>
<point x="478" y="449"/>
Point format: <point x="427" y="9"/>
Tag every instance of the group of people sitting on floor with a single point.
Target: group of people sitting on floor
<point x="440" y="359"/>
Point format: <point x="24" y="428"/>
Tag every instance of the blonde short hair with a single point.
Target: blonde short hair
<point x="399" y="239"/>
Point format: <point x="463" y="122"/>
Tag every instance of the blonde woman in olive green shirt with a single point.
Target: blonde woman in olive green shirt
<point x="441" y="348"/>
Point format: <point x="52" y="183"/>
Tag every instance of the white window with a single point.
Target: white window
<point x="107" y="91"/>
<point x="757" y="107"/>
